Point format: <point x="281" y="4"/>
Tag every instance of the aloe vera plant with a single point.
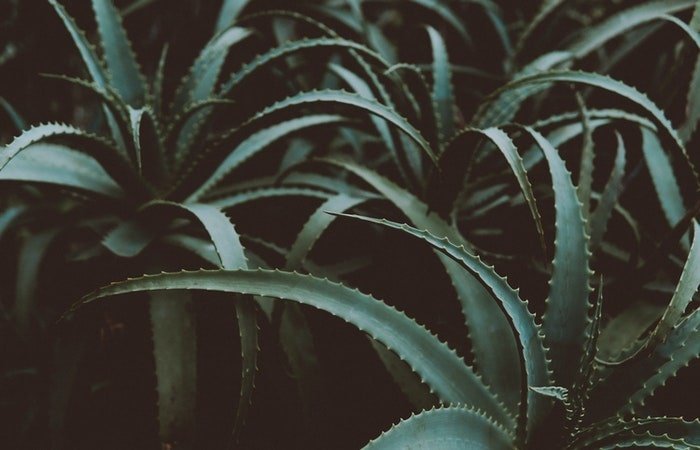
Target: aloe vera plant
<point x="505" y="137"/>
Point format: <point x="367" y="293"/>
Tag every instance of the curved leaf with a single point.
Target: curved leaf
<point x="566" y="319"/>
<point x="440" y="367"/>
<point x="443" y="95"/>
<point x="444" y="429"/>
<point x="610" y="196"/>
<point x="533" y="360"/>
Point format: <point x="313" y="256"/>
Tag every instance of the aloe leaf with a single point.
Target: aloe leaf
<point x="417" y="393"/>
<point x="664" y="179"/>
<point x="626" y="328"/>
<point x="441" y="368"/>
<point x="200" y="84"/>
<point x="290" y="48"/>
<point x="240" y="198"/>
<point x="355" y="101"/>
<point x="31" y="255"/>
<point x="412" y="207"/>
<point x="146" y="135"/>
<point x="231" y="256"/>
<point x="17" y="120"/>
<point x="628" y="386"/>
<point x="610" y="196"/>
<point x="668" y="432"/>
<point x="92" y="62"/>
<point x="101" y="150"/>
<point x="532" y="360"/>
<point x="615" y="25"/>
<point x="201" y="80"/>
<point x="10" y="216"/>
<point x="493" y="343"/>
<point x="362" y="88"/>
<point x="505" y="145"/>
<point x="692" y="108"/>
<point x="502" y="106"/>
<point x="315" y="226"/>
<point x="128" y="238"/>
<point x="158" y="79"/>
<point x="230" y="9"/>
<point x="124" y="71"/>
<point x="685" y="290"/>
<point x="599" y="81"/>
<point x="61" y="166"/>
<point x="443" y="92"/>
<point x="175" y="354"/>
<point x="444" y="429"/>
<point x="256" y="143"/>
<point x="566" y="320"/>
<point x="585" y="177"/>
<point x="446" y="14"/>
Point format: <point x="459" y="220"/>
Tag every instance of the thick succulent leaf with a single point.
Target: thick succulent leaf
<point x="256" y="143"/>
<point x="610" y="196"/>
<point x="624" y="330"/>
<point x="175" y="355"/>
<point x="201" y="80"/>
<point x="331" y="97"/>
<point x="655" y="432"/>
<point x="61" y="166"/>
<point x="17" y="120"/>
<point x="595" y="80"/>
<point x="683" y="295"/>
<point x="443" y="92"/>
<point x="533" y="359"/>
<point x="617" y="24"/>
<point x="200" y="84"/>
<point x="231" y="255"/>
<point x="147" y="144"/>
<point x="412" y="207"/>
<point x="240" y="198"/>
<point x="629" y="385"/>
<point x="290" y="48"/>
<point x="585" y="177"/>
<point x="454" y="160"/>
<point x="31" y="255"/>
<point x="444" y="429"/>
<point x="450" y="18"/>
<point x="315" y="226"/>
<point x="692" y="109"/>
<point x="102" y="151"/>
<point x="493" y="344"/>
<point x="92" y="62"/>
<point x="358" y="85"/>
<point x="123" y="69"/>
<point x="10" y="216"/>
<point x="417" y="393"/>
<point x="664" y="179"/>
<point x="566" y="319"/>
<point x="441" y="368"/>
<point x="87" y="52"/>
<point x="128" y="238"/>
<point x="230" y="9"/>
<point x="503" y="105"/>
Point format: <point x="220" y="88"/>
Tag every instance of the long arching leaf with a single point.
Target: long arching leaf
<point x="441" y="368"/>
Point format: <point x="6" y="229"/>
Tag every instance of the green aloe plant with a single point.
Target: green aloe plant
<point x="338" y="117"/>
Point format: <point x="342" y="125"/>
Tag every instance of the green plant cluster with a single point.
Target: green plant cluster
<point x="210" y="232"/>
